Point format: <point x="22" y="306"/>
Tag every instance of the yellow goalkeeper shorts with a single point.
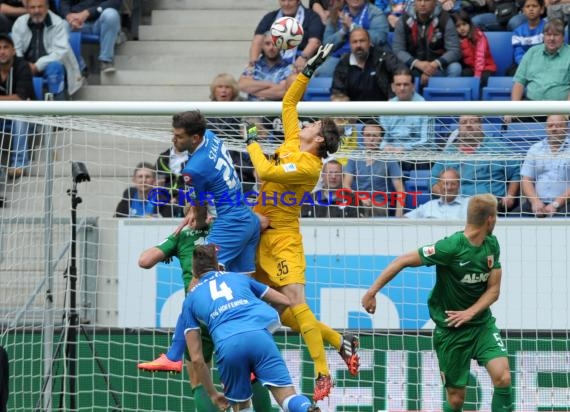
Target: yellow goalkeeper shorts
<point x="280" y="258"/>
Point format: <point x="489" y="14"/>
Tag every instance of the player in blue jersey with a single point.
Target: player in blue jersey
<point x="210" y="176"/>
<point x="230" y="305"/>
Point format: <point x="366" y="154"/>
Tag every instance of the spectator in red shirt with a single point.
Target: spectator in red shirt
<point x="477" y="59"/>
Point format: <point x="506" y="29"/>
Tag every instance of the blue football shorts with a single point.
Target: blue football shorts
<point x="237" y="242"/>
<point x="236" y="358"/>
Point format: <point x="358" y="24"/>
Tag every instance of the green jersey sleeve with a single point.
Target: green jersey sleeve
<point x="169" y="246"/>
<point x="440" y="253"/>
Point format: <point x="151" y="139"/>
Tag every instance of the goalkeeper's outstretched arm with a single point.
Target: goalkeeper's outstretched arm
<point x="295" y="94"/>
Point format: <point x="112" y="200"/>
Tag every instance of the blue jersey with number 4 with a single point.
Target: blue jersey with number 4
<point x="228" y="303"/>
<point x="210" y="173"/>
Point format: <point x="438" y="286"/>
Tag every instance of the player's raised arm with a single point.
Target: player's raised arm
<point x="293" y="172"/>
<point x="410" y="259"/>
<point x="151" y="257"/>
<point x="295" y="94"/>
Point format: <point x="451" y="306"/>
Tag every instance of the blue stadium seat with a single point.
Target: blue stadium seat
<point x="498" y="88"/>
<point x="418" y="181"/>
<point x="493" y="126"/>
<point x="521" y="136"/>
<point x="75" y="42"/>
<point x="319" y="89"/>
<point x="452" y="88"/>
<point x="38" y="87"/>
<point x="90" y="38"/>
<point x="444" y="126"/>
<point x="501" y="46"/>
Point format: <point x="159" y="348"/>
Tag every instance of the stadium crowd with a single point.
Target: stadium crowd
<point x="384" y="50"/>
<point x="397" y="51"/>
<point x="40" y="42"/>
<point x="391" y="50"/>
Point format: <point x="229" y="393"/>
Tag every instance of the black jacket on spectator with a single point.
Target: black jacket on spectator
<point x="76" y="6"/>
<point x="7" y="21"/>
<point x="368" y="84"/>
<point x="19" y="81"/>
<point x="435" y="39"/>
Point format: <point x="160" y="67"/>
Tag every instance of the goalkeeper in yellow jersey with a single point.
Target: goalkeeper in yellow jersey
<point x="295" y="168"/>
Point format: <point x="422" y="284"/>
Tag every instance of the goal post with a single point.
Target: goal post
<point x="126" y="314"/>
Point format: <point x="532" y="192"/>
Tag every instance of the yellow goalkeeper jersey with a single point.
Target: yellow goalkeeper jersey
<point x="291" y="175"/>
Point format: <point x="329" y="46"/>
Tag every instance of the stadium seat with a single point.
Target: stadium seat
<point x="418" y="181"/>
<point x="498" y="88"/>
<point x="521" y="136"/>
<point x="501" y="46"/>
<point x="452" y="88"/>
<point x="444" y="126"/>
<point x="75" y="42"/>
<point x="493" y="126"/>
<point x="319" y="89"/>
<point x="90" y="38"/>
<point x="38" y="87"/>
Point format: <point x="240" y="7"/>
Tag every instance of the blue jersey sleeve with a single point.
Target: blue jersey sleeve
<point x="258" y="289"/>
<point x="189" y="318"/>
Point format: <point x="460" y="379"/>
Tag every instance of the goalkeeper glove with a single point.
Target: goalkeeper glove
<point x="250" y="133"/>
<point x="314" y="62"/>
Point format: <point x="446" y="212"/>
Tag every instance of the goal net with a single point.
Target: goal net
<point x="78" y="348"/>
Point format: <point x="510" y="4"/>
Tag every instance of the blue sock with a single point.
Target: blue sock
<point x="178" y="345"/>
<point x="296" y="403"/>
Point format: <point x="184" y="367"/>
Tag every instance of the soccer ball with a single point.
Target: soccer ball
<point x="286" y="33"/>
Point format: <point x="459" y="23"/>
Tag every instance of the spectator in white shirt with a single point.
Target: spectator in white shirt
<point x="451" y="205"/>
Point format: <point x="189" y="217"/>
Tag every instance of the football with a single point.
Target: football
<point x="286" y="33"/>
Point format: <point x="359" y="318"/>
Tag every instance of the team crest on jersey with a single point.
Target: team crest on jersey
<point x="490" y="261"/>
<point x="429" y="250"/>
